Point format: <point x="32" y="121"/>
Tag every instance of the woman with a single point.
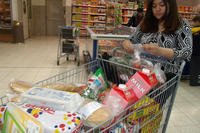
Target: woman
<point x="163" y="34"/>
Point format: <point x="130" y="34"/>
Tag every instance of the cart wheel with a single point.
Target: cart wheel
<point x="58" y="62"/>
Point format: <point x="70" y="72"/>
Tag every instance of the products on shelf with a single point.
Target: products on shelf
<point x="187" y="12"/>
<point x="88" y="13"/>
<point x="5" y="13"/>
<point x="95" y="13"/>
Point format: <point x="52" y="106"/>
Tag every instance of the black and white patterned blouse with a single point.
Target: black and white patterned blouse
<point x="180" y="42"/>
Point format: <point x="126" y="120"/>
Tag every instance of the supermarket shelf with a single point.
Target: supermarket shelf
<point x="188" y="13"/>
<point x="127" y="16"/>
<point x="96" y="14"/>
<point x="103" y="22"/>
<point x="5" y="27"/>
<point x="129" y="9"/>
<point x="93" y="6"/>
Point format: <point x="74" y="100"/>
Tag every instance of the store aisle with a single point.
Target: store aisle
<point x="36" y="60"/>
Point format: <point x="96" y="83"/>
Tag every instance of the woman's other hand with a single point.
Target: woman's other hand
<point x="127" y="45"/>
<point x="154" y="49"/>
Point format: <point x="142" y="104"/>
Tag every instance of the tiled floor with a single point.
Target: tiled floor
<point x="36" y="60"/>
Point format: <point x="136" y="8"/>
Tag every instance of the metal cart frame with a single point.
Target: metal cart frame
<point x="68" y="43"/>
<point x="80" y="75"/>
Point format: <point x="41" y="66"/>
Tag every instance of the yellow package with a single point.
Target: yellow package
<point x="153" y="125"/>
<point x="143" y="108"/>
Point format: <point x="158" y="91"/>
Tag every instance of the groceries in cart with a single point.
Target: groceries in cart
<point x="68" y="106"/>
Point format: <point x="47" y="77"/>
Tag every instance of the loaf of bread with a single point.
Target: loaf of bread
<point x="20" y="86"/>
<point x="65" y="87"/>
<point x="100" y="116"/>
<point x="95" y="114"/>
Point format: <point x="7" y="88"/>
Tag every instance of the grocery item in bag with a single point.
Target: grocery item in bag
<point x="94" y="113"/>
<point x="78" y="88"/>
<point x="95" y="85"/>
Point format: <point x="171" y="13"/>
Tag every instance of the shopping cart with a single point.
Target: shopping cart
<point x="68" y="43"/>
<point x="158" y="110"/>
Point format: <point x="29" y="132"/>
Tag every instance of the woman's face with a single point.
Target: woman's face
<point x="158" y="8"/>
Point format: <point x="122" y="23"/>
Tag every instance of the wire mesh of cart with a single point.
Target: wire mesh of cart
<point x="148" y="115"/>
<point x="68" y="43"/>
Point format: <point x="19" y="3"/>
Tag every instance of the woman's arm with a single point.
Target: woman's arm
<point x="154" y="49"/>
<point x="183" y="50"/>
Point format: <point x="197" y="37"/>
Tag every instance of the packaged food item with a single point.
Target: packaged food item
<point x="58" y="100"/>
<point x="143" y="111"/>
<point x="78" y="88"/>
<point x="94" y="114"/>
<point x="95" y="85"/>
<point x="39" y="119"/>
<point x="20" y="86"/>
<point x="119" y="98"/>
<point x="142" y="82"/>
<point x="153" y="125"/>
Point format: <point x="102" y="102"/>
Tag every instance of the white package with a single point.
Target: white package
<point x="59" y="100"/>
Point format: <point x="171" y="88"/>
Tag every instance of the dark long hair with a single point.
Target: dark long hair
<point x="171" y="18"/>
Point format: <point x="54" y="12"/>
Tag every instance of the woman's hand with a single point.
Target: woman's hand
<point x="154" y="49"/>
<point x="127" y="45"/>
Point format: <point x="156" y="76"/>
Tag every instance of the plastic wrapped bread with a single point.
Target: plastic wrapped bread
<point x="95" y="114"/>
<point x="78" y="88"/>
<point x="59" y="100"/>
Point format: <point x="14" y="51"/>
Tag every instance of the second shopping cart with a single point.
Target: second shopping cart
<point x="68" y="44"/>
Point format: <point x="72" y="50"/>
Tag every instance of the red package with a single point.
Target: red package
<point x="141" y="83"/>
